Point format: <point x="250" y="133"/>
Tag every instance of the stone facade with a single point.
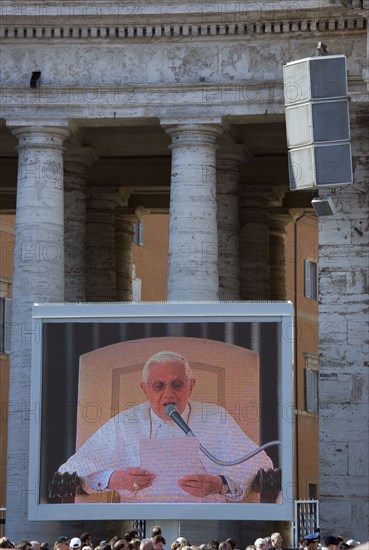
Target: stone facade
<point x="133" y="102"/>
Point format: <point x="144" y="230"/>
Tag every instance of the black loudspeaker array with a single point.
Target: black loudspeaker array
<point x="317" y="122"/>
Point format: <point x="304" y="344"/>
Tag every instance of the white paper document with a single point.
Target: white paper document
<point x="170" y="459"/>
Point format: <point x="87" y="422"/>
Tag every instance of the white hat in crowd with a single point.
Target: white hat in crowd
<point x="75" y="543"/>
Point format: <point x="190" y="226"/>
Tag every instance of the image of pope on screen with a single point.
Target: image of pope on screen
<point x="170" y="448"/>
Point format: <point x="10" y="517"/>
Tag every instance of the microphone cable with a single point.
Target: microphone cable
<point x="171" y="412"/>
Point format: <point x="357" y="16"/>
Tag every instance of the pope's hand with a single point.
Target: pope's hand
<point x="131" y="479"/>
<point x="200" y="485"/>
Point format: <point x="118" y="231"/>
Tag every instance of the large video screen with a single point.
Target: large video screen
<point x="162" y="411"/>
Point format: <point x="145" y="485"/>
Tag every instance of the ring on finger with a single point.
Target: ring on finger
<point x="136" y="486"/>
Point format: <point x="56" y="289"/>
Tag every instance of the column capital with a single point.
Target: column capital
<point x="125" y="214"/>
<point x="257" y="195"/>
<point x="232" y="154"/>
<point x="39" y="133"/>
<point x="278" y="221"/>
<point x="124" y="194"/>
<point x="141" y="211"/>
<point x="80" y="155"/>
<point x="296" y="213"/>
<point x="110" y="194"/>
<point x="191" y="134"/>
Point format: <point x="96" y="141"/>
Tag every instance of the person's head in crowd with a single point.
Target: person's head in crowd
<point x="312" y="541"/>
<point x="35" y="545"/>
<point x="268" y="541"/>
<point x="232" y="543"/>
<point x="260" y="544"/>
<point x="213" y="544"/>
<point x="86" y="540"/>
<point x="105" y="546"/>
<point x="134" y="535"/>
<point x="331" y="542"/>
<point x="167" y="379"/>
<point x="62" y="543"/>
<point x="301" y="542"/>
<point x="75" y="543"/>
<point x="203" y="547"/>
<point x="250" y="547"/>
<point x="276" y="540"/>
<point x="6" y="543"/>
<point x="136" y="543"/>
<point x="174" y="545"/>
<point x="24" y="545"/>
<point x="121" y="544"/>
<point x="86" y="547"/>
<point x="113" y="540"/>
<point x="44" y="546"/>
<point x="147" y="544"/>
<point x="181" y="542"/>
<point x="351" y="543"/>
<point x="224" y="545"/>
<point x="158" y="542"/>
<point x="128" y="536"/>
<point x="156" y="530"/>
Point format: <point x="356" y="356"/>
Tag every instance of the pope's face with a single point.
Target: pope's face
<point x="167" y="383"/>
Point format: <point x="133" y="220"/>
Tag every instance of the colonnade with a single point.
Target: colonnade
<point x="75" y="244"/>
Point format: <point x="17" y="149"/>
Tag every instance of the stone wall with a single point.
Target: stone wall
<point x="344" y="350"/>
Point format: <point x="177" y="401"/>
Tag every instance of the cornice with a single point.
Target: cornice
<point x="76" y="20"/>
<point x="85" y="33"/>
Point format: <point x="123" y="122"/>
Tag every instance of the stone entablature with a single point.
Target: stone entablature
<point x="111" y="60"/>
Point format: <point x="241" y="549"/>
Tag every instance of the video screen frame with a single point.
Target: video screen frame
<point x="250" y="319"/>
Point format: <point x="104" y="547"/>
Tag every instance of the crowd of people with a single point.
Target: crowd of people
<point x="132" y="541"/>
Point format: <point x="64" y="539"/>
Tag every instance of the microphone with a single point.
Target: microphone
<point x="171" y="412"/>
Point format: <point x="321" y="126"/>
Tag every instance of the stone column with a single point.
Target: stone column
<point x="254" y="242"/>
<point x="38" y="277"/>
<point x="193" y="236"/>
<point x="101" y="261"/>
<point x="277" y="254"/>
<point x="75" y="167"/>
<point x="228" y="175"/>
<point x="124" y="218"/>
